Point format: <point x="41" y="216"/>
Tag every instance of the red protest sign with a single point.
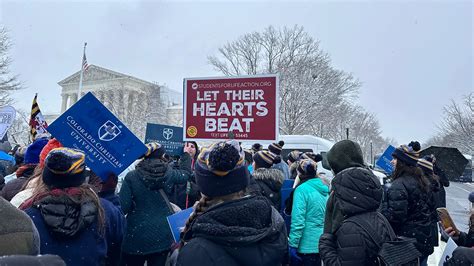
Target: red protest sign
<point x="242" y="108"/>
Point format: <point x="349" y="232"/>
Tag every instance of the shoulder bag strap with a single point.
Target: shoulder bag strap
<point x="358" y="220"/>
<point x="163" y="194"/>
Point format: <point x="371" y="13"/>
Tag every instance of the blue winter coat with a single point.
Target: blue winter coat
<point x="307" y="216"/>
<point x="70" y="230"/>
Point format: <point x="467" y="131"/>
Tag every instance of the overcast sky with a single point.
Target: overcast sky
<point x="412" y="56"/>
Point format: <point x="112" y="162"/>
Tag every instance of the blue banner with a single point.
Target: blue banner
<point x="177" y="222"/>
<point x="288" y="183"/>
<point x="170" y="137"/>
<point x="384" y="160"/>
<point x="285" y="194"/>
<point x="89" y="126"/>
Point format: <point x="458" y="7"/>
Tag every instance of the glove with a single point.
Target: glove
<point x="294" y="254"/>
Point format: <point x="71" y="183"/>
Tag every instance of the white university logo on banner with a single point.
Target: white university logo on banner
<point x="108" y="131"/>
<point x="168" y="133"/>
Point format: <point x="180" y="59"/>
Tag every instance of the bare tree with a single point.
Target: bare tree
<point x="309" y="85"/>
<point x="145" y="106"/>
<point x="457" y="127"/>
<point x="19" y="132"/>
<point x="8" y="82"/>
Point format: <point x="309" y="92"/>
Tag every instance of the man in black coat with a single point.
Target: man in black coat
<point x="356" y="191"/>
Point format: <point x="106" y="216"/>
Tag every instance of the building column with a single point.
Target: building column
<point x="64" y="102"/>
<point x="113" y="102"/>
<point x="73" y="99"/>
<point x="125" y="100"/>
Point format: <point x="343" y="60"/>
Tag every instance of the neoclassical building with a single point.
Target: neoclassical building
<point x="133" y="100"/>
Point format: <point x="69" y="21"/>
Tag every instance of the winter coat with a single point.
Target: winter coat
<point x="307" y="217"/>
<point x="147" y="228"/>
<point x="467" y="239"/>
<point x="462" y="256"/>
<point x="356" y="191"/>
<point x="13" y="187"/>
<point x="435" y="188"/>
<point x="18" y="234"/>
<point x="246" y="231"/>
<point x="407" y="208"/>
<point x="293" y="171"/>
<point x="284" y="168"/>
<point x="70" y="229"/>
<point x="268" y="182"/>
<point x="178" y="192"/>
<point x="444" y="182"/>
<point x="24" y="260"/>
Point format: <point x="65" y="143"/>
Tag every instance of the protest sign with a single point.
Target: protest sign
<point x="89" y="126"/>
<point x="285" y="194"/>
<point x="170" y="137"/>
<point x="288" y="183"/>
<point x="177" y="222"/>
<point x="241" y="108"/>
<point x="384" y="160"/>
<point x="448" y="251"/>
<point x="7" y="116"/>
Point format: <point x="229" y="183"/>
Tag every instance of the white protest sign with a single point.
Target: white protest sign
<point x="7" y="116"/>
<point x="448" y="251"/>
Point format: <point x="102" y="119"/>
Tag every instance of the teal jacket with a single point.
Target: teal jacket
<point x="307" y="217"/>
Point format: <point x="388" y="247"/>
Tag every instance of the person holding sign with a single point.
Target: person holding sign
<point x="407" y="201"/>
<point x="228" y="227"/>
<point x="143" y="197"/>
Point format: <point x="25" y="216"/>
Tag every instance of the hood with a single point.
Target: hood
<point x="152" y="172"/>
<point x="66" y="217"/>
<point x="357" y="190"/>
<point x="345" y="154"/>
<point x="273" y="178"/>
<point x="318" y="185"/>
<point x="238" y="226"/>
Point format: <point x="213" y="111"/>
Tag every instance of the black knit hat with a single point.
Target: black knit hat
<point x="313" y="156"/>
<point x="425" y="165"/>
<point x="64" y="167"/>
<point x="307" y="167"/>
<point x="220" y="170"/>
<point x="154" y="151"/>
<point x="409" y="154"/>
<point x="276" y="147"/>
<point x="294" y="156"/>
<point x="345" y="154"/>
<point x="265" y="159"/>
<point x="257" y="147"/>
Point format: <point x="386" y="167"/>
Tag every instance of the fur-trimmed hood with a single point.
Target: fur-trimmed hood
<point x="269" y="174"/>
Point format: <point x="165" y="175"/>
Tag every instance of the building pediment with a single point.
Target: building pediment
<point x="95" y="73"/>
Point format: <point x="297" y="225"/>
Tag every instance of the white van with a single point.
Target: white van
<point x="303" y="143"/>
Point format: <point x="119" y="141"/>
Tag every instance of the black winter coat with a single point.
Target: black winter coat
<point x="268" y="182"/>
<point x="407" y="208"/>
<point x="147" y="228"/>
<point x="357" y="192"/>
<point x="247" y="232"/>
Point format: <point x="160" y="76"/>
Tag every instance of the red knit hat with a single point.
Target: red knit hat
<point x="52" y="144"/>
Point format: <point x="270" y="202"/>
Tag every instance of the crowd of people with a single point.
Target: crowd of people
<point x="52" y="204"/>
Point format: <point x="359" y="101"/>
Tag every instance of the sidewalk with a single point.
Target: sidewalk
<point x="434" y="258"/>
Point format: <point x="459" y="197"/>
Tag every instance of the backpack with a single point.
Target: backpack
<point x="397" y="251"/>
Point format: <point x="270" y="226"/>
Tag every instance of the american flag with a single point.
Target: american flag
<point x="85" y="66"/>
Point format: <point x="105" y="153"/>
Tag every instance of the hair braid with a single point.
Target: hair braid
<point x="201" y="206"/>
